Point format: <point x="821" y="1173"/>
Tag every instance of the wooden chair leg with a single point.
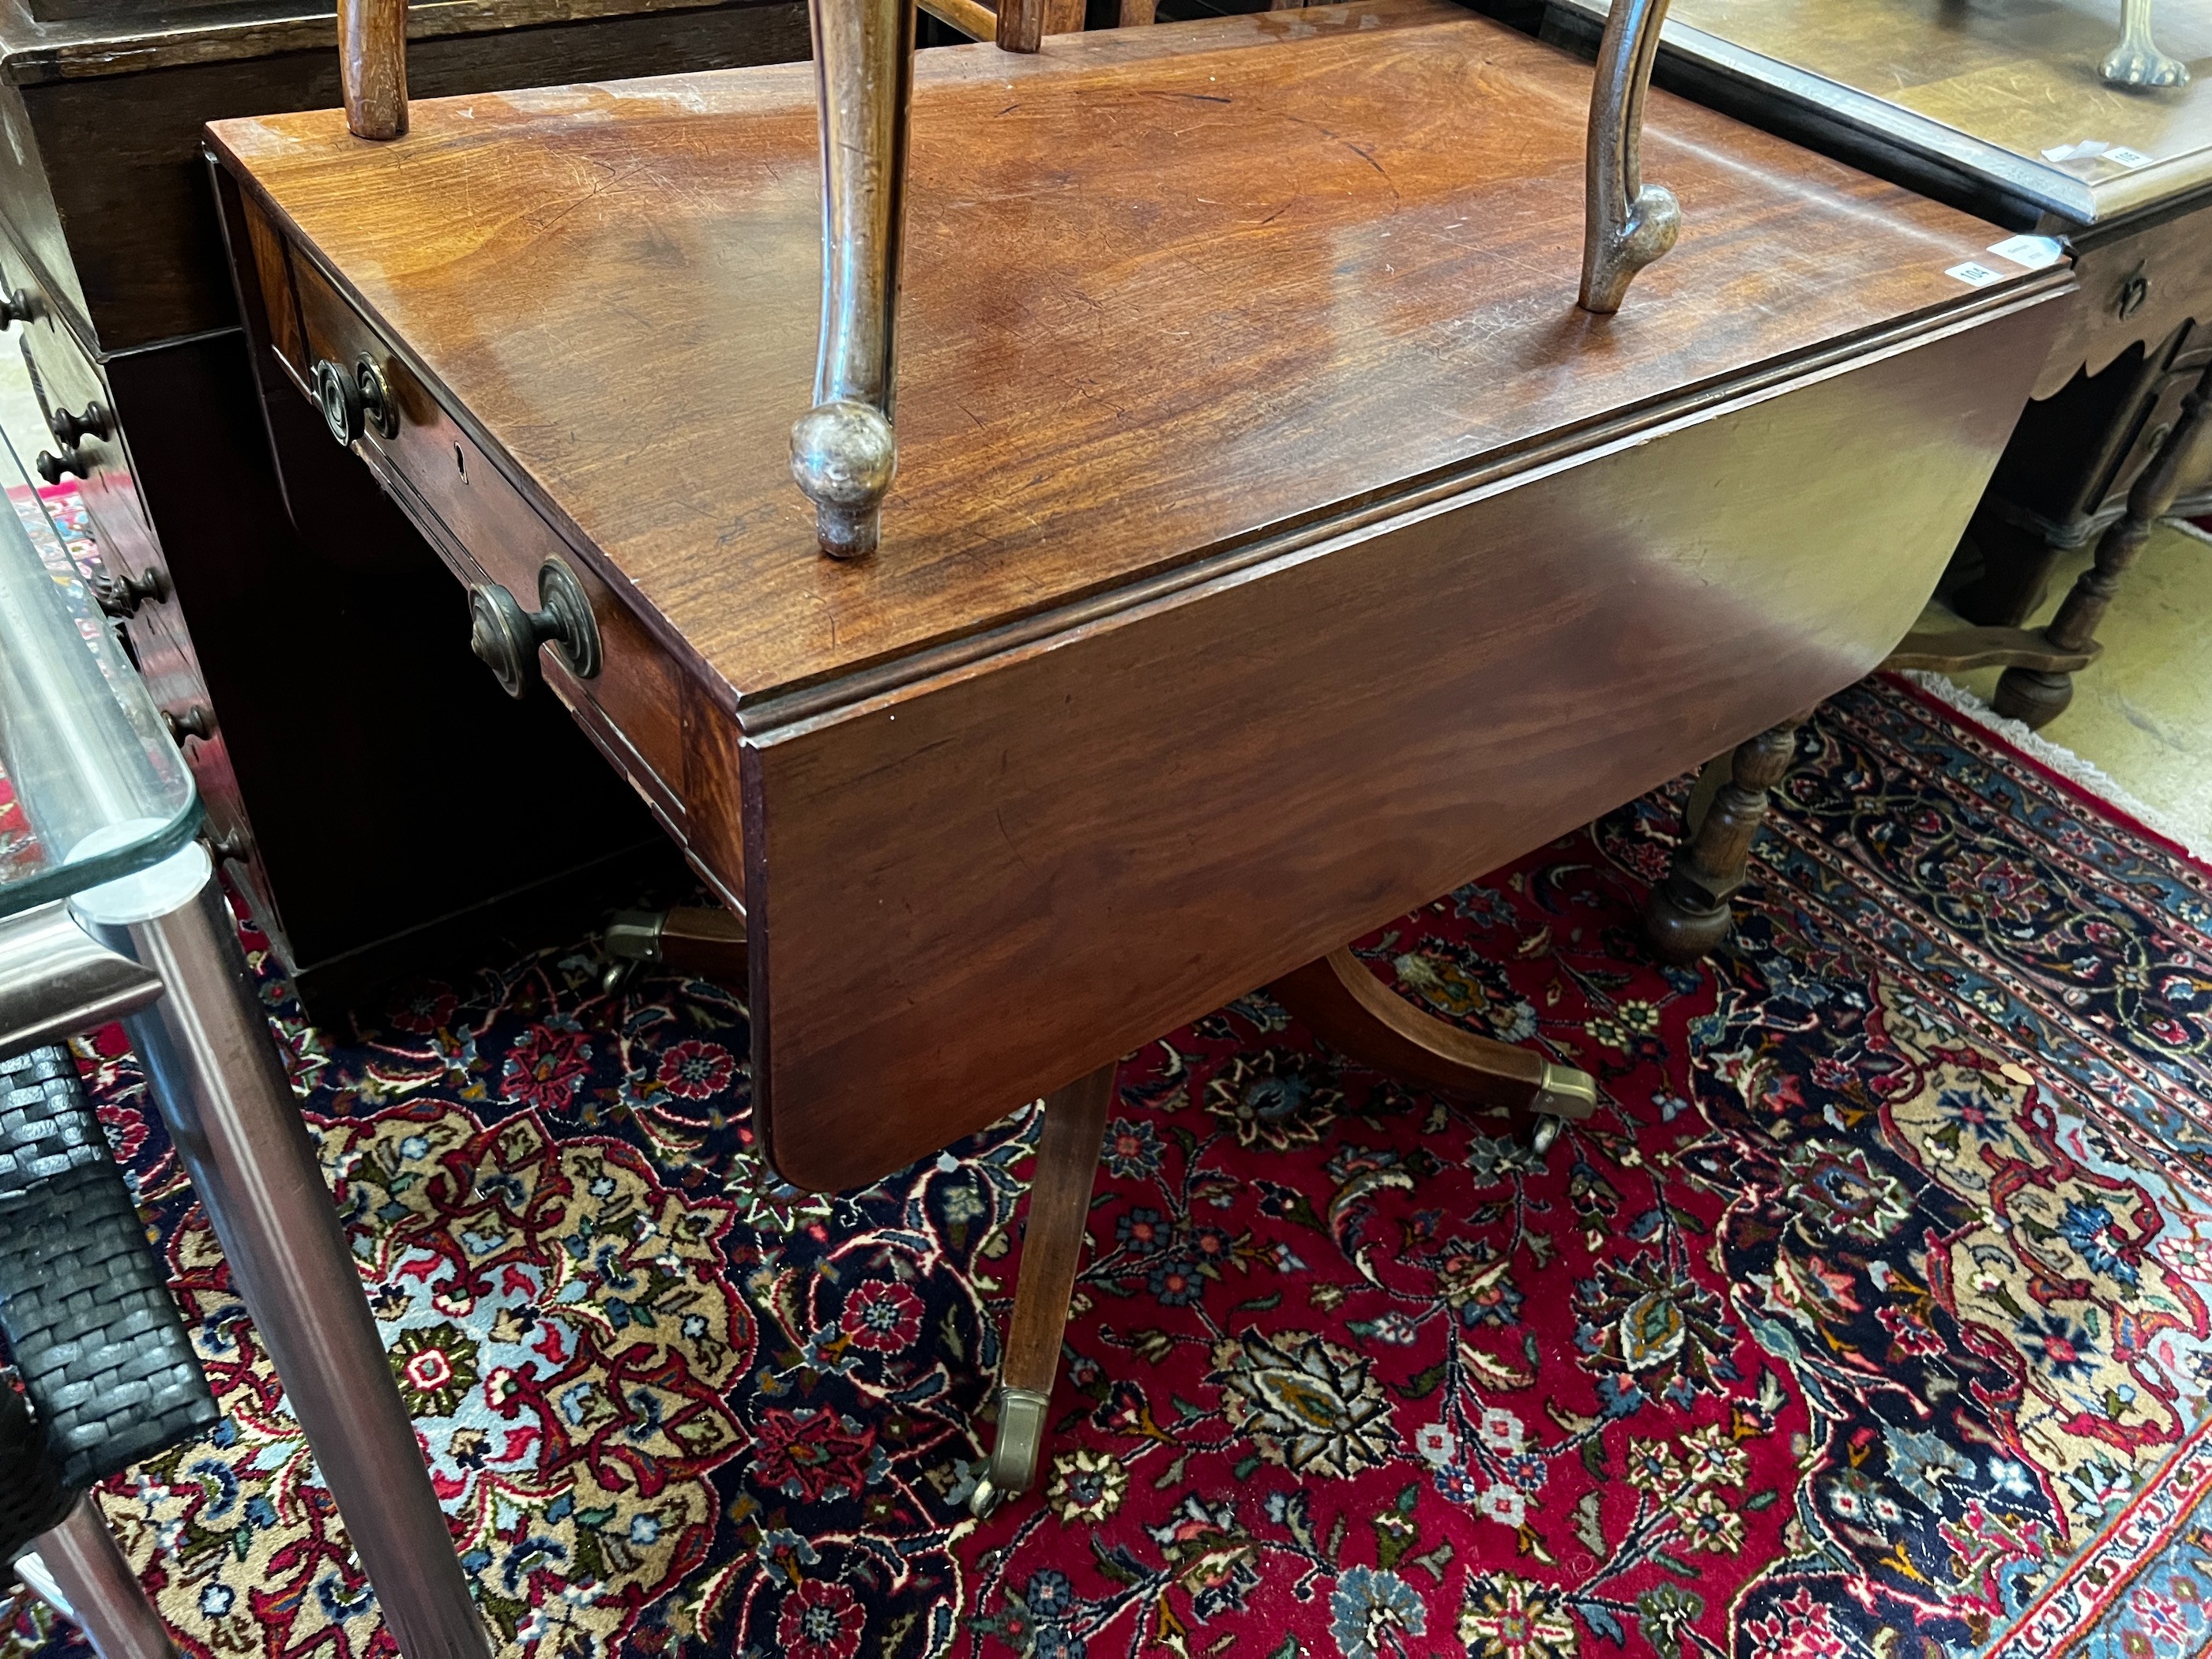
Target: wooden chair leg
<point x="1344" y="1004"/>
<point x="1051" y="1249"/>
<point x="1688" y="912"/>
<point x="2038" y="695"/>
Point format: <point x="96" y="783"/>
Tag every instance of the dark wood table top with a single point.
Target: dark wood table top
<point x="1348" y="263"/>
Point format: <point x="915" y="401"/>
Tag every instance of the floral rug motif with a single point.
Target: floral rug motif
<point x="1875" y="1290"/>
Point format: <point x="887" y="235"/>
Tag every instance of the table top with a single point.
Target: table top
<point x="1168" y="291"/>
<point x="2007" y="90"/>
<point x="92" y="788"/>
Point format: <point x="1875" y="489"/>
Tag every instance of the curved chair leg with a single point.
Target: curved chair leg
<point x="1688" y="912"/>
<point x="1347" y="1008"/>
<point x="1051" y="1249"/>
<point x="2038" y="696"/>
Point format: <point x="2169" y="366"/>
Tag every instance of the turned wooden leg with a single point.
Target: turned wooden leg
<point x="704" y="941"/>
<point x="2038" y="695"/>
<point x="1688" y="912"/>
<point x="1051" y="1249"/>
<point x="1344" y="1004"/>
<point x="843" y="451"/>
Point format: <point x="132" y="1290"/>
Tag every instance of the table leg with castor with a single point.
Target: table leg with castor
<point x="1051" y="1249"/>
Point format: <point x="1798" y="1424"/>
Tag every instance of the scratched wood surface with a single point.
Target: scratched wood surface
<point x="1168" y="290"/>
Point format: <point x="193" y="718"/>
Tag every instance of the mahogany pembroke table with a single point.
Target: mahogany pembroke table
<point x="1275" y="542"/>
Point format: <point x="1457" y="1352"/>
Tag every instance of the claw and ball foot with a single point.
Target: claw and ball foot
<point x="1687" y="916"/>
<point x="2136" y="61"/>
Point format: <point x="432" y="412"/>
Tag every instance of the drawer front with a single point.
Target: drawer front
<point x="164" y="654"/>
<point x="487" y="531"/>
<point x="2158" y="423"/>
<point x="66" y="378"/>
<point x="2137" y="286"/>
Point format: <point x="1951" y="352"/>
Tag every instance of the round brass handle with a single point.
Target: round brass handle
<point x="232" y="844"/>
<point x="505" y="637"/>
<point x="340" y="395"/>
<point x="68" y="428"/>
<point x="54" y="468"/>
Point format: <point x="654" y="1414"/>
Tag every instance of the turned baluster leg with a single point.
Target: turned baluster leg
<point x="2037" y="696"/>
<point x="1051" y="1249"/>
<point x="1688" y="912"/>
<point x="842" y="451"/>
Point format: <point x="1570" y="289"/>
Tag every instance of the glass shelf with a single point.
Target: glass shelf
<point x="2006" y="89"/>
<point x="92" y="788"/>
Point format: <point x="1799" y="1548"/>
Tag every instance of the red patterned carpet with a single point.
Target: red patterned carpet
<point x="1875" y="1290"/>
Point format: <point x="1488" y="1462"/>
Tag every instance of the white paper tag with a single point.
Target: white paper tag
<point x="2036" y="253"/>
<point x="1975" y="275"/>
<point x="2126" y="157"/>
<point x="2086" y="150"/>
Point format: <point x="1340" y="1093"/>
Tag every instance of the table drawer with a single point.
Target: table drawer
<point x="486" y="530"/>
<point x="2138" y="284"/>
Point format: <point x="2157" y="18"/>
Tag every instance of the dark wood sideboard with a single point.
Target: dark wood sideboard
<point x="384" y="804"/>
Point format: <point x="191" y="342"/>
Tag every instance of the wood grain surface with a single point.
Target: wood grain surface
<point x="1252" y="270"/>
<point x="1276" y="545"/>
<point x="976" y="887"/>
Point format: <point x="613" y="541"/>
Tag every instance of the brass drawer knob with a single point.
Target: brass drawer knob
<point x="505" y="637"/>
<point x="354" y="403"/>
<point x="121" y="596"/>
<point x="54" y="468"/>
<point x="93" y="422"/>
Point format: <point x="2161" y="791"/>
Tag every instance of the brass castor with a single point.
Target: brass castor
<point x="1014" y="1454"/>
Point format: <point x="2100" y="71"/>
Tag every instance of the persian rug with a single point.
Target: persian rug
<point x="1874" y="1293"/>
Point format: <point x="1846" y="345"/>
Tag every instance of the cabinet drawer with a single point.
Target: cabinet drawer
<point x="66" y="376"/>
<point x="486" y="530"/>
<point x="2138" y="284"/>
